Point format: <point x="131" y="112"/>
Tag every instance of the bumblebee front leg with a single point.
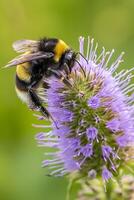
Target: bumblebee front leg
<point x="66" y="69"/>
<point x="60" y="75"/>
<point x="36" y="101"/>
<point x="68" y="61"/>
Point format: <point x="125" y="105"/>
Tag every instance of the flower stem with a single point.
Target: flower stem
<point x="69" y="188"/>
<point x="73" y="187"/>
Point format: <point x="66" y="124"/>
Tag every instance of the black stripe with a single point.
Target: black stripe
<point x="21" y="85"/>
<point x="48" y="45"/>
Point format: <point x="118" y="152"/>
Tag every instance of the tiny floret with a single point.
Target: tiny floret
<point x="94" y="102"/>
<point x="92" y="133"/>
<point x="106" y="174"/>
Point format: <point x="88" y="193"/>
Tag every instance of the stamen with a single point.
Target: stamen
<point x="94" y="53"/>
<point x="91" y="49"/>
<point x="88" y="45"/>
<point x="101" y="55"/>
<point x="115" y="65"/>
<point x="108" y="59"/>
<point x="41" y="126"/>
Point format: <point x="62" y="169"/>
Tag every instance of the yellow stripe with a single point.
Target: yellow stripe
<point x="60" y="48"/>
<point x="23" y="72"/>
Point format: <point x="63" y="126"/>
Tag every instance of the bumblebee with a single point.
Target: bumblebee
<point x="40" y="59"/>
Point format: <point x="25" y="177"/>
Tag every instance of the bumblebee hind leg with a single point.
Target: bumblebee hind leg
<point x="36" y="101"/>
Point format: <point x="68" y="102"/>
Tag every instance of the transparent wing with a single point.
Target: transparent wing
<point x="29" y="57"/>
<point x="25" y="45"/>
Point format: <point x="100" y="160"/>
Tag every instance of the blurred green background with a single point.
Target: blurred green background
<point x="111" y="23"/>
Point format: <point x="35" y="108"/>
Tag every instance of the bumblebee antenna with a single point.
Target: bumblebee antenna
<point x="79" y="53"/>
<point x="81" y="67"/>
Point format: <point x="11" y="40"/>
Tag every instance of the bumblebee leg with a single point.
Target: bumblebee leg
<point x="83" y="71"/>
<point x="35" y="99"/>
<point x="66" y="69"/>
<point x="61" y="76"/>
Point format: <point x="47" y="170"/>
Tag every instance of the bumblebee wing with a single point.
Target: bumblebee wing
<point x="25" y="45"/>
<point x="29" y="57"/>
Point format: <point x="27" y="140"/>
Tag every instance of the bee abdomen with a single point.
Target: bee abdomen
<point x="23" y="95"/>
<point x="21" y="85"/>
<point x="23" y="72"/>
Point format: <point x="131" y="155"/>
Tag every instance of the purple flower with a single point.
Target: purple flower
<point x="106" y="151"/>
<point x="93" y="117"/>
<point x="113" y="125"/>
<point x="92" y="133"/>
<point x="87" y="150"/>
<point x="94" y="102"/>
<point x="106" y="174"/>
<point x="92" y="174"/>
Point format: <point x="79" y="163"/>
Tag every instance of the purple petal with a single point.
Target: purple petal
<point x="106" y="174"/>
<point x="92" y="133"/>
<point x="106" y="151"/>
<point x="94" y="102"/>
<point x="87" y="150"/>
<point x="113" y="125"/>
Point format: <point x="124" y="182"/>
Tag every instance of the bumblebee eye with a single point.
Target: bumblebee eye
<point x="69" y="55"/>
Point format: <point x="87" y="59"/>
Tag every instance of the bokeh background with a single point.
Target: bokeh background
<point x="110" y="22"/>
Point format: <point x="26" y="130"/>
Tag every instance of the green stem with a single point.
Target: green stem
<point x="109" y="190"/>
<point x="69" y="189"/>
<point x="73" y="186"/>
